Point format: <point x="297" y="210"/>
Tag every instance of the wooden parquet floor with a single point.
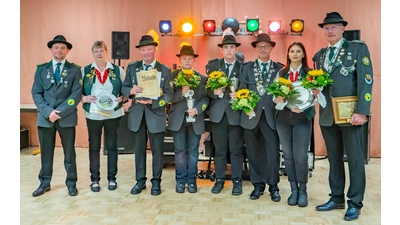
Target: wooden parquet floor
<point x="171" y="208"/>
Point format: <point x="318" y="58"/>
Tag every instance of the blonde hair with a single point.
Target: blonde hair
<point x="99" y="44"/>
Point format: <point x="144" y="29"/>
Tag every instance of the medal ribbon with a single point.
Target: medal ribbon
<point x="98" y="74"/>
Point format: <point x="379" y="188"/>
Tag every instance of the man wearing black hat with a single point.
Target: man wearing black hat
<point x="349" y="65"/>
<point x="227" y="135"/>
<point x="261" y="137"/>
<point x="186" y="133"/>
<point x="147" y="116"/>
<point x="56" y="91"/>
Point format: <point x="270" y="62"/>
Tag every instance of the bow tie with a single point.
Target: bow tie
<point x="293" y="77"/>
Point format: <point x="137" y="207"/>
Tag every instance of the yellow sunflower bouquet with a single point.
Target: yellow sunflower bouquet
<point x="187" y="78"/>
<point x="217" y="79"/>
<point x="316" y="79"/>
<point x="281" y="87"/>
<point x="245" y="100"/>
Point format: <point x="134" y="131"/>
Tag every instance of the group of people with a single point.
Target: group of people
<point x="59" y="86"/>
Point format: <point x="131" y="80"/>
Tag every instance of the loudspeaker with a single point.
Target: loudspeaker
<point x="24" y="138"/>
<point x="125" y="141"/>
<point x="351" y="35"/>
<point x="120" y="45"/>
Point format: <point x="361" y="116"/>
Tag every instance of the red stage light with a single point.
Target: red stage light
<point x="209" y="26"/>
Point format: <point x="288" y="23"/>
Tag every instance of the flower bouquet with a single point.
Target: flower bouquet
<point x="217" y="79"/>
<point x="316" y="79"/>
<point x="245" y="100"/>
<point x="187" y="78"/>
<point x="281" y="87"/>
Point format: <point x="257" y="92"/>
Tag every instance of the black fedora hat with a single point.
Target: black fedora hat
<point x="146" y="40"/>
<point x="187" y="50"/>
<point x="333" y="17"/>
<point x="228" y="40"/>
<point x="59" y="39"/>
<point x="263" y="37"/>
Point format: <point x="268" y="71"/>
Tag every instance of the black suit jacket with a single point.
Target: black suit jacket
<point x="219" y="106"/>
<point x="265" y="103"/>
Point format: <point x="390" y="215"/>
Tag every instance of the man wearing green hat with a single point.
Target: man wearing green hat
<point x="227" y="135"/>
<point x="56" y="91"/>
<point x="261" y="137"/>
<point x="349" y="65"/>
<point x="147" y="116"/>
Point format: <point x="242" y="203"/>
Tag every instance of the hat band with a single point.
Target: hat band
<point x="334" y="20"/>
<point x="146" y="42"/>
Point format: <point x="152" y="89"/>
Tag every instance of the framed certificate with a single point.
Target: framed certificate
<point x="150" y="82"/>
<point x="343" y="108"/>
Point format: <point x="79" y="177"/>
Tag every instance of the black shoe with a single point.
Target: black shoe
<point x="192" y="187"/>
<point x="303" y="199"/>
<point x="40" y="191"/>
<point x="292" y="200"/>
<point x="218" y="186"/>
<point x="275" y="196"/>
<point x="72" y="191"/>
<point x="256" y="193"/>
<point x="139" y="187"/>
<point x="237" y="187"/>
<point x="155" y="188"/>
<point x="329" y="206"/>
<point x="352" y="214"/>
<point x="112" y="185"/>
<point x="95" y="186"/>
<point x="180" y="187"/>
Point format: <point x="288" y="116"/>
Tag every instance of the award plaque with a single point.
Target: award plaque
<point x="106" y="101"/>
<point x="343" y="108"/>
<point x="303" y="99"/>
<point x="190" y="105"/>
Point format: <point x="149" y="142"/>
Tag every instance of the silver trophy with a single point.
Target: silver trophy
<point x="190" y="105"/>
<point x="234" y="85"/>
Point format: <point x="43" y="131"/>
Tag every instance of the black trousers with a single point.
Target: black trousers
<point x="226" y="138"/>
<point x="294" y="131"/>
<point x="351" y="139"/>
<point x="95" y="129"/>
<point x="47" y="141"/>
<point x="262" y="149"/>
<point x="157" y="151"/>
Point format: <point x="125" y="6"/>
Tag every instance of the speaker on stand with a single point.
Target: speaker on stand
<point x="120" y="46"/>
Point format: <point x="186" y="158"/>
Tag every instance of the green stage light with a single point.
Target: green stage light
<point x="252" y="25"/>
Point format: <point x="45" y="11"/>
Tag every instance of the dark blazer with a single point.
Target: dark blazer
<point x="265" y="103"/>
<point x="155" y="112"/>
<point x="219" y="106"/>
<point x="64" y="97"/>
<point x="347" y="80"/>
<point x="178" y="108"/>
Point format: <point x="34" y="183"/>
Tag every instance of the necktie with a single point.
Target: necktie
<point x="227" y="68"/>
<point x="147" y="67"/>
<point x="331" y="52"/>
<point x="264" y="69"/>
<point x="57" y="73"/>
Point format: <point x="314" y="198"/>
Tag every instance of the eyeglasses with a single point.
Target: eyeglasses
<point x="332" y="28"/>
<point x="99" y="51"/>
<point x="262" y="47"/>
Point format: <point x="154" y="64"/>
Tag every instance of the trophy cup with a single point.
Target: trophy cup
<point x="233" y="86"/>
<point x="190" y="105"/>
